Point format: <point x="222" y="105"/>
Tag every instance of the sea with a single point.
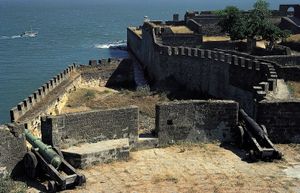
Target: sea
<point x="74" y="31"/>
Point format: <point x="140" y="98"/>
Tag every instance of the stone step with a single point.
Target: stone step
<point x="146" y="143"/>
<point x="88" y="154"/>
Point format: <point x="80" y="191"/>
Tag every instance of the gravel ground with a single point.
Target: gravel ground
<point x="195" y="168"/>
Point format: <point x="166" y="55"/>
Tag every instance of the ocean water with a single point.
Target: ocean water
<point x="74" y="31"/>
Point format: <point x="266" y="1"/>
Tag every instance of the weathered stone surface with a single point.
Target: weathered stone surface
<point x="91" y="126"/>
<point x="282" y="120"/>
<point x="196" y="121"/>
<point x="101" y="152"/>
<point x="146" y="143"/>
<point x="12" y="149"/>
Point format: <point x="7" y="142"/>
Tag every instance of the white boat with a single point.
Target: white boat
<point x="30" y="33"/>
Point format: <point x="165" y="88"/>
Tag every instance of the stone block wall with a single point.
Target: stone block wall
<point x="284" y="60"/>
<point x="196" y="121"/>
<point x="12" y="150"/>
<point x="133" y="40"/>
<point x="281" y="118"/>
<point x="212" y="72"/>
<point x="91" y="126"/>
<point x="191" y="40"/>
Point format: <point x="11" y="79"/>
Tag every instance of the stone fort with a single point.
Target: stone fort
<point x="172" y="57"/>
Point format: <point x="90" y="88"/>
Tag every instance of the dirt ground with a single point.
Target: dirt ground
<point x="195" y="168"/>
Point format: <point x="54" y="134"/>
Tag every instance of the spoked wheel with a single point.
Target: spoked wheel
<point x="30" y="162"/>
<point x="52" y="186"/>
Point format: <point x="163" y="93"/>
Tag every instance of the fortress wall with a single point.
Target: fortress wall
<point x="191" y="40"/>
<point x="281" y="119"/>
<point x="196" y="121"/>
<point x="100" y="72"/>
<point x="91" y="126"/>
<point x="291" y="73"/>
<point x="27" y="104"/>
<point x="193" y="25"/>
<point x="12" y="150"/>
<point x="209" y="25"/>
<point x="287" y="24"/>
<point x="287" y="67"/>
<point x="133" y="40"/>
<point x="32" y="120"/>
<point x="284" y="60"/>
<point x="215" y="73"/>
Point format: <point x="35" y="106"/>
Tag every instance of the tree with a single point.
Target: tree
<point x="232" y="23"/>
<point x="251" y="26"/>
<point x="272" y="34"/>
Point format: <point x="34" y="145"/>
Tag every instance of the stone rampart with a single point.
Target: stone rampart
<point x="281" y="119"/>
<point x="216" y="73"/>
<point x="283" y="60"/>
<point x="91" y="126"/>
<point x="196" y="121"/>
<point x="190" y="40"/>
<point x="12" y="150"/>
<point x="31" y="101"/>
<point x="133" y="39"/>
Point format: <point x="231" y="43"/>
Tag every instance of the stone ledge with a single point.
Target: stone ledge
<point x="146" y="143"/>
<point x="88" y="154"/>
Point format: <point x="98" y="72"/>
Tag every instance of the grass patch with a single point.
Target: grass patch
<point x="294" y="88"/>
<point x="90" y="94"/>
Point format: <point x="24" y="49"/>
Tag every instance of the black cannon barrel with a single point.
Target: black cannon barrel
<point x="251" y="124"/>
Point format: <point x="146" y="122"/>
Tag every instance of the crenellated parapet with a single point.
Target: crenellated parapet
<point x="38" y="95"/>
<point x="266" y="70"/>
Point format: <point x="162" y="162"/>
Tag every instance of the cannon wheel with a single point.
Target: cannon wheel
<point x="30" y="162"/>
<point x="57" y="150"/>
<point x="52" y="186"/>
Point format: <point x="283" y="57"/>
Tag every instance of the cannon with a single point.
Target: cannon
<point x="48" y="160"/>
<point x="254" y="137"/>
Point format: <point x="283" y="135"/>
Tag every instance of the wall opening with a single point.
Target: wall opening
<point x="290" y="12"/>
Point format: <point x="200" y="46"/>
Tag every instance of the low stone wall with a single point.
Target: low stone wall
<point x="281" y="118"/>
<point x="91" y="126"/>
<point x="196" y="121"/>
<point x="284" y="60"/>
<point x="12" y="150"/>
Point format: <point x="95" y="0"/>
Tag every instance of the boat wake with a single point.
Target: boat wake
<point x="14" y="37"/>
<point x="111" y="45"/>
<point x="9" y="37"/>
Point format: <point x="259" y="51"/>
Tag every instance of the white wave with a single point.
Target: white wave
<point x="110" y="45"/>
<point x="10" y="37"/>
<point x="16" y="36"/>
